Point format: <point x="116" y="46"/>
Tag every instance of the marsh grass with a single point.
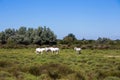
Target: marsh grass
<point x="24" y="64"/>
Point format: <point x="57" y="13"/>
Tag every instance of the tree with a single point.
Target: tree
<point x="39" y="36"/>
<point x="36" y="37"/>
<point x="22" y="30"/>
<point x="37" y="40"/>
<point x="9" y="32"/>
<point x="103" y="40"/>
<point x="11" y="41"/>
<point x="69" y="39"/>
<point x="48" y="36"/>
<point x="29" y="35"/>
<point x="2" y="38"/>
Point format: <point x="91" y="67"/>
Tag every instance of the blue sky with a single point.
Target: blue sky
<point x="88" y="19"/>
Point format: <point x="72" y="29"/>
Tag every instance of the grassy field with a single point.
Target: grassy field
<point x="24" y="64"/>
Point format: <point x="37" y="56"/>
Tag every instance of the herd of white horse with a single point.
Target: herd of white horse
<point x="53" y="50"/>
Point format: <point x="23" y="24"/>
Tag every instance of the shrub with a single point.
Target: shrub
<point x="35" y="70"/>
<point x="112" y="78"/>
<point x="53" y="70"/>
<point x="5" y="75"/>
<point x="5" y="63"/>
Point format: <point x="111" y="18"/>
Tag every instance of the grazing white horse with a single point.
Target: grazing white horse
<point x="39" y="50"/>
<point x="47" y="49"/>
<point x="54" y="50"/>
<point x="78" y="50"/>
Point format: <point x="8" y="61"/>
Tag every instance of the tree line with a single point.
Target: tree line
<point x="45" y="36"/>
<point x="101" y="43"/>
<point x="27" y="36"/>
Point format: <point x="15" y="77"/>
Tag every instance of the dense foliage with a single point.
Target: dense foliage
<point x="43" y="36"/>
<point x="39" y="36"/>
<point x="70" y="41"/>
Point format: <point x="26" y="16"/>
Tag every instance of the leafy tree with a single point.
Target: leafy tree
<point x="39" y="36"/>
<point x="35" y="37"/>
<point x="2" y="38"/>
<point x="48" y="36"/>
<point x="29" y="32"/>
<point x="19" y="39"/>
<point x="26" y="41"/>
<point x="70" y="38"/>
<point x="103" y="40"/>
<point x="37" y="40"/>
<point x="29" y="35"/>
<point x="9" y="32"/>
<point x="22" y="30"/>
<point x="11" y="41"/>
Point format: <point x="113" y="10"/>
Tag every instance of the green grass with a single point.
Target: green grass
<point x="24" y="64"/>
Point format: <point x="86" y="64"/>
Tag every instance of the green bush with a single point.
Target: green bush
<point x="5" y="75"/>
<point x="112" y="78"/>
<point x="5" y="63"/>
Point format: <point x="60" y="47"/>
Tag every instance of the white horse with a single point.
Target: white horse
<point x="47" y="49"/>
<point x="54" y="50"/>
<point x="40" y="50"/>
<point x="78" y="50"/>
